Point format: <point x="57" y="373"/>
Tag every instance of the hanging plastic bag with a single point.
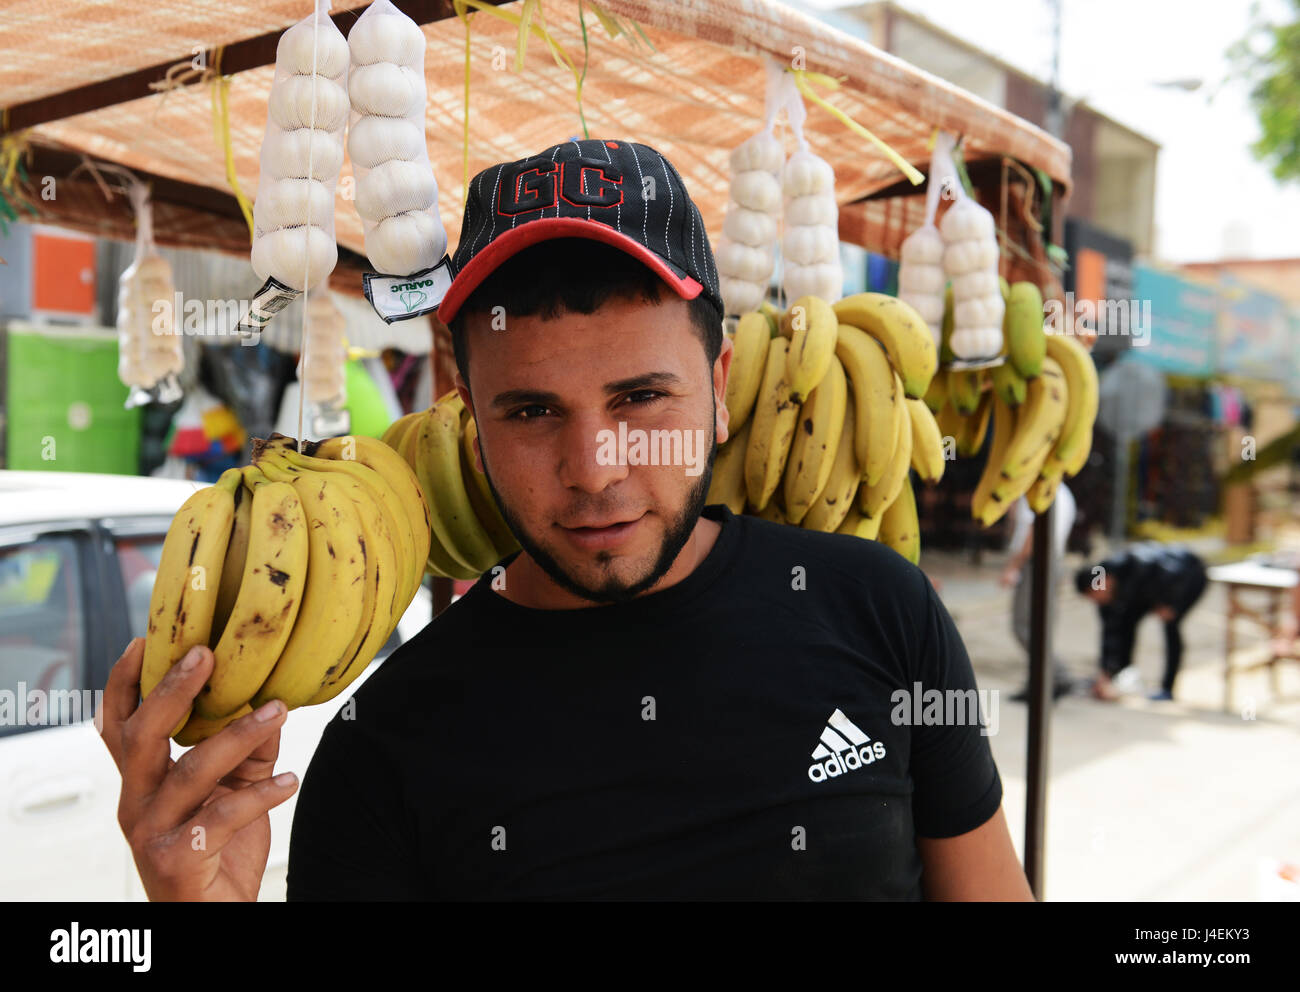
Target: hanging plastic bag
<point x="810" y="246"/>
<point x="150" y="354"/>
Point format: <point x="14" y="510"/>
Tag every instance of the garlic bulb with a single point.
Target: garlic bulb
<point x="395" y="187"/>
<point x="746" y="252"/>
<point x="970" y="260"/>
<point x="284" y="254"/>
<point x="374" y="140"/>
<point x="406" y="243"/>
<point x="396" y="194"/>
<point x="294" y="51"/>
<point x="921" y="278"/>
<point x="293" y="104"/>
<point x="811" y="243"/>
<point x="398" y="40"/>
<point x="385" y="90"/>
<point x="149" y="341"/>
<point x="302" y="154"/>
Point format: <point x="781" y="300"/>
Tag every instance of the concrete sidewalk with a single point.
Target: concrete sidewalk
<point x="1146" y="801"/>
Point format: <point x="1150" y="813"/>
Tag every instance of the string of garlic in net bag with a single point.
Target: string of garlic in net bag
<point x="396" y="193"/>
<point x="746" y="253"/>
<point x="321" y="367"/>
<point x="810" y="246"/>
<point x="921" y="277"/>
<point x="149" y="342"/>
<point x="970" y="261"/>
<point x="302" y="153"/>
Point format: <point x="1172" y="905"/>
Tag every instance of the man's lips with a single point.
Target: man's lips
<point x="595" y="536"/>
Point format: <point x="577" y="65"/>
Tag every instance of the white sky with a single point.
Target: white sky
<point x="1213" y="199"/>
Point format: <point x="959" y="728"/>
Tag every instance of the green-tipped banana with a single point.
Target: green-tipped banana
<point x="1008" y="384"/>
<point x="964" y="390"/>
<point x="1023" y="329"/>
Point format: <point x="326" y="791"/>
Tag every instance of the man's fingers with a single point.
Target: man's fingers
<point x="121" y="693"/>
<point x="255" y="767"/>
<point x="146" y="736"/>
<point x="225" y="817"/>
<point x="202" y="767"/>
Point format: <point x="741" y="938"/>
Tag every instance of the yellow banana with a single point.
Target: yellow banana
<point x="232" y="570"/>
<point x="899" y="526"/>
<point x="858" y="524"/>
<point x="198" y="729"/>
<point x="1009" y="489"/>
<point x="333" y="599"/>
<point x="816" y="438"/>
<point x="1082" y="388"/>
<point x="1009" y="384"/>
<point x="773" y="511"/>
<point x="727" y="484"/>
<point x="748" y="360"/>
<point x="901" y="330"/>
<point x="812" y="327"/>
<point x="951" y="423"/>
<point x="964" y="390"/>
<point x="397" y="430"/>
<point x="929" y="451"/>
<point x="270" y="596"/>
<point x="1004" y="427"/>
<point x="970" y="438"/>
<point x="407" y="534"/>
<point x="936" y="397"/>
<point x="836" y="498"/>
<point x="400" y="477"/>
<point x="437" y="458"/>
<point x="773" y="317"/>
<point x="775" y="416"/>
<point x="1039" y="419"/>
<point x="1043" y="492"/>
<point x="878" y="393"/>
<point x="187" y="581"/>
<point x="872" y="500"/>
<point x="384" y="571"/>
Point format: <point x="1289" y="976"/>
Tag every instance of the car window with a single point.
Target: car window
<point x="42" y="644"/>
<point x="138" y="559"/>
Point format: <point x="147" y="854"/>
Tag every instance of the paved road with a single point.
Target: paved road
<point x="1146" y="801"/>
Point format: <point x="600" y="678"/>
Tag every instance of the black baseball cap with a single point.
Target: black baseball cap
<point x="620" y="193"/>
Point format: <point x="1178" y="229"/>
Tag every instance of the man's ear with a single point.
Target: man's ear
<point x="721" y="372"/>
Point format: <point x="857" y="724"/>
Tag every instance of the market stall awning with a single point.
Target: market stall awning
<point x="695" y="96"/>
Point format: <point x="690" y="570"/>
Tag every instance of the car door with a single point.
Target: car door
<point x="58" y="833"/>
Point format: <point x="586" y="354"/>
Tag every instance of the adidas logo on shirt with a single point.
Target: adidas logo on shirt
<point x="843" y="748"/>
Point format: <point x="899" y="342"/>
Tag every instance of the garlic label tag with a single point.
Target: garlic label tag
<point x="401" y="297"/>
<point x="270" y="299"/>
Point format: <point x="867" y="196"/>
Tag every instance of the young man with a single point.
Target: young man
<point x="654" y="698"/>
<point x="1147" y="578"/>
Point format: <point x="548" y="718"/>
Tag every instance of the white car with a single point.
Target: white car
<point x="77" y="560"/>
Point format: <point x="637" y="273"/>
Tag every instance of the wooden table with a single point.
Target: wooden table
<point x="1248" y="576"/>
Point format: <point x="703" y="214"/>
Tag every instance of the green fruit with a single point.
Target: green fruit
<point x="1022" y="329"/>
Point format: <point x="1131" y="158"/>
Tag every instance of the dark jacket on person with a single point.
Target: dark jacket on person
<point x="1146" y="576"/>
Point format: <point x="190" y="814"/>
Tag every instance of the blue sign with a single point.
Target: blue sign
<point x="1183" y="317"/>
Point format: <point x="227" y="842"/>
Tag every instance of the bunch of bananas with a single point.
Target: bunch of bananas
<point x="295" y="569"/>
<point x="826" y="418"/>
<point x="469" y="535"/>
<point x="1041" y="403"/>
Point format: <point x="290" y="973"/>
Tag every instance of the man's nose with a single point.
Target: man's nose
<point x="590" y="455"/>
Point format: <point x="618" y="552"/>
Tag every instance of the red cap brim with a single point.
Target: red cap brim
<point x="546" y="229"/>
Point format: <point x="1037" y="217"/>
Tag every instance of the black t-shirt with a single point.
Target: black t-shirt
<point x="727" y="737"/>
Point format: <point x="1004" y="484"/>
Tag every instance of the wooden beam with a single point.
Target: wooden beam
<point x="240" y="56"/>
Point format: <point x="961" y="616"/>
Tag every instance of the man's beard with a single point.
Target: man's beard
<point x="678" y="533"/>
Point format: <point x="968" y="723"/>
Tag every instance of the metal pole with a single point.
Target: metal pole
<point x="1040" y="700"/>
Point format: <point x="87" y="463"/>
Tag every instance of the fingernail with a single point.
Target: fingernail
<point x="268" y="711"/>
<point x="191" y="660"/>
<point x="286" y="778"/>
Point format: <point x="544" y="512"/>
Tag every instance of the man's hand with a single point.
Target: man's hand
<point x="198" y="827"/>
<point x="1010" y="575"/>
<point x="1165" y="613"/>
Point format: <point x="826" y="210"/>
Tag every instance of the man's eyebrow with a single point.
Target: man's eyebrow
<point x="646" y="380"/>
